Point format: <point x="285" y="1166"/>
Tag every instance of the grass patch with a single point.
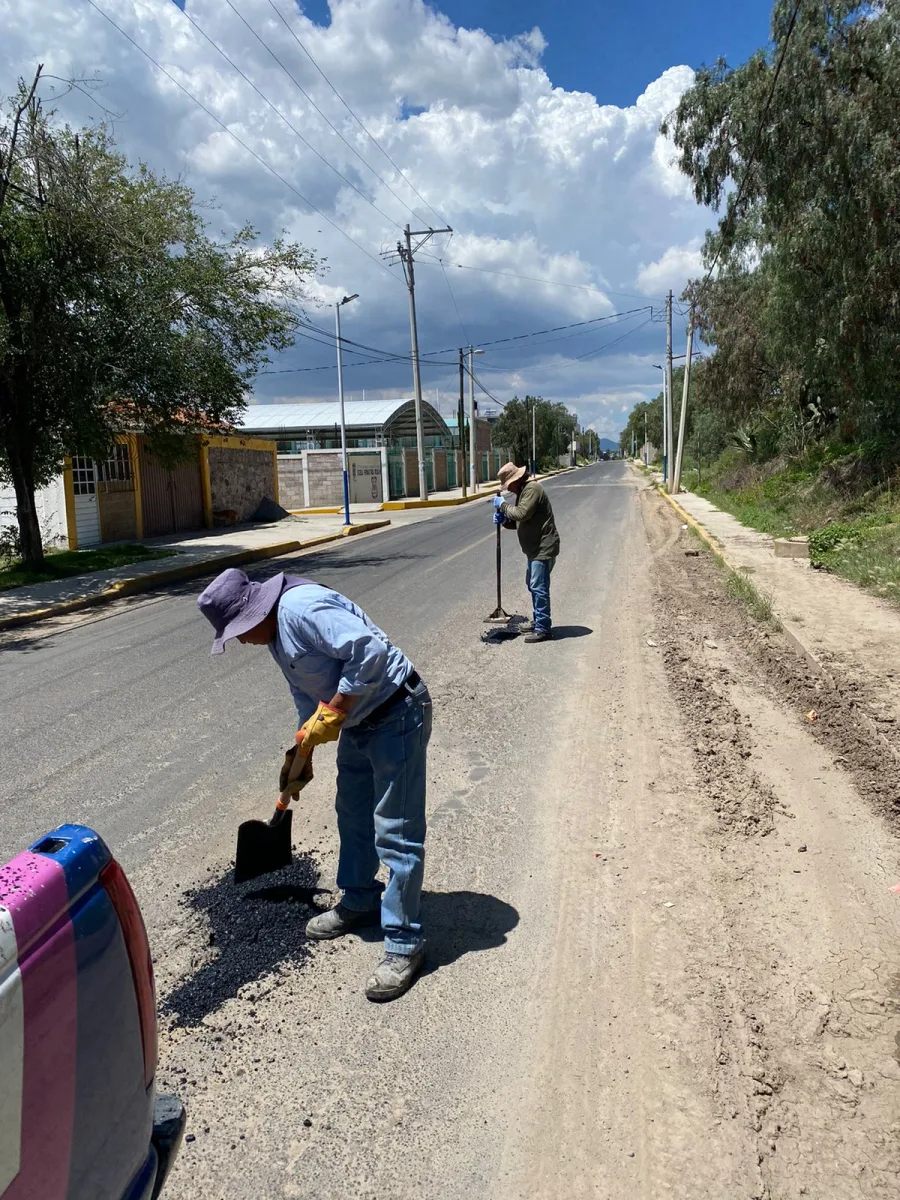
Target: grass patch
<point x="63" y="564"/>
<point x="757" y="603"/>
<point x="870" y="559"/>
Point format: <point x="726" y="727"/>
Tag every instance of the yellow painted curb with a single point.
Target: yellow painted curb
<point x="363" y="527"/>
<point x="145" y="583"/>
<point x="313" y="512"/>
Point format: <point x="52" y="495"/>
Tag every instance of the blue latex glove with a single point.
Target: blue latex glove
<point x="498" y="515"/>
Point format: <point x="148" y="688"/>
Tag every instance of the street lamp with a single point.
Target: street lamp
<point x="473" y="471"/>
<point x="340" y="366"/>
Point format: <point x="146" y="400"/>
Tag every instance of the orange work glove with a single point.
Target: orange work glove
<point x="323" y="726"/>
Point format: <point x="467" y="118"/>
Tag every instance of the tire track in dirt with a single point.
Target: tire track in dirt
<point x="812" y="969"/>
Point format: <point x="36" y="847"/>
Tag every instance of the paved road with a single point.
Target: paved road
<point x="124" y="722"/>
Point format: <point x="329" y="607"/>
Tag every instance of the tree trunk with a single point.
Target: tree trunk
<point x="26" y="511"/>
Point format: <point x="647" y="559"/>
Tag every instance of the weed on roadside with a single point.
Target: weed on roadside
<point x="758" y="603"/>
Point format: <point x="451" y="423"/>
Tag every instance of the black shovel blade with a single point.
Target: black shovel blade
<point x="262" y="847"/>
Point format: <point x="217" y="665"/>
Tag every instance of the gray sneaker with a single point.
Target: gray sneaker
<point x="394" y="975"/>
<point x="338" y="921"/>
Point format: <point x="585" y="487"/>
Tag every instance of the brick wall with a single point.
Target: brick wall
<point x="239" y="479"/>
<point x="118" y="517"/>
<point x="326" y="486"/>
<point x="290" y="482"/>
<point x="412" y="472"/>
<point x="440" y="470"/>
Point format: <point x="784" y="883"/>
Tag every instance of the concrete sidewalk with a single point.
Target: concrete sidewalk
<point x="848" y="633"/>
<point x="196" y="554"/>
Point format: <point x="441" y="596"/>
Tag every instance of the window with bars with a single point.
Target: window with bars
<point x="115" y="473"/>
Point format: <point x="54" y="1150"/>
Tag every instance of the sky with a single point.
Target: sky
<point x="531" y="129"/>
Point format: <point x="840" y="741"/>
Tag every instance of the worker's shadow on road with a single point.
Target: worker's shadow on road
<point x="458" y="923"/>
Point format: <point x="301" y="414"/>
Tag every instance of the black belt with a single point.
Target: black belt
<point x="411" y="681"/>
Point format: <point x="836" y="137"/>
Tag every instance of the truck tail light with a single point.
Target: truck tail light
<point x="114" y="880"/>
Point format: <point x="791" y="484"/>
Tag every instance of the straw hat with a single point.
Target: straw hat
<point x="509" y="473"/>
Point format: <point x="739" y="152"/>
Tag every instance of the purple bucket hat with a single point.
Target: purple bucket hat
<point x="233" y="604"/>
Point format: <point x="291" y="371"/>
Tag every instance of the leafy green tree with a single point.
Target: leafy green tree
<point x="554" y="428"/>
<point x="114" y="300"/>
<point x="802" y="303"/>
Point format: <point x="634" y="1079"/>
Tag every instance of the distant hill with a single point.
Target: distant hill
<point x="606" y="444"/>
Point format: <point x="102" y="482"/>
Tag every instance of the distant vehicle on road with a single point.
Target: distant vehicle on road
<point x="79" y="1114"/>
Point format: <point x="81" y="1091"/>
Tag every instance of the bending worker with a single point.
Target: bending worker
<point x="352" y="686"/>
<point x="531" y="515"/>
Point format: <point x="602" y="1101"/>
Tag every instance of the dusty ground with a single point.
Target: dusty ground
<point x="687" y="971"/>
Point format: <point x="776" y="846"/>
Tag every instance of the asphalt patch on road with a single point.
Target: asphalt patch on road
<point x="253" y="928"/>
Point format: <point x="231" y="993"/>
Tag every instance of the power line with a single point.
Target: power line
<point x="377" y="144"/>
<point x="455" y="305"/>
<point x="323" y="115"/>
<point x="392" y="356"/>
<point x="275" y="109"/>
<point x="758" y="139"/>
<point x="233" y="135"/>
<point x="584" y="287"/>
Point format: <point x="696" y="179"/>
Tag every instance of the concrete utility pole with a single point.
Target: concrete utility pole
<point x="473" y="466"/>
<point x="407" y="257"/>
<point x="533" y="438"/>
<point x="340" y="366"/>
<point x="646" y="451"/>
<point x="461" y="419"/>
<point x="669" y="434"/>
<point x="682" y="420"/>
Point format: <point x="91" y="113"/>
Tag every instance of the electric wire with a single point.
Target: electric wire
<point x="237" y="139"/>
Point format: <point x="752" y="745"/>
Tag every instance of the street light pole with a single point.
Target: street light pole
<point x="340" y="366"/>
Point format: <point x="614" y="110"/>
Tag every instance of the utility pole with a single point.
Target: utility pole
<point x="461" y="420"/>
<point x="533" y="438"/>
<point x="407" y="257"/>
<point x="646" y="451"/>
<point x="473" y="467"/>
<point x="669" y="435"/>
<point x="682" y="419"/>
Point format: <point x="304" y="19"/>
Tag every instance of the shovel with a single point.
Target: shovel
<point x="264" y="846"/>
<point x="499" y="617"/>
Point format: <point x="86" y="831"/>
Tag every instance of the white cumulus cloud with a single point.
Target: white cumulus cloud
<point x="564" y="208"/>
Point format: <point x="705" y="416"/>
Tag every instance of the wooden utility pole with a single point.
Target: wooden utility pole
<point x="407" y="257"/>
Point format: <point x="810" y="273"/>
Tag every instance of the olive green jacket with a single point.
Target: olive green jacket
<point x="532" y="518"/>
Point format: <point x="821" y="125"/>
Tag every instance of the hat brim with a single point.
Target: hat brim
<point x="257" y="610"/>
<point x="516" y="475"/>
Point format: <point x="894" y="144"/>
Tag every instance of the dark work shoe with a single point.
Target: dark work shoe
<point x="540" y="635"/>
<point x="394" y="975"/>
<point x="338" y="921"/>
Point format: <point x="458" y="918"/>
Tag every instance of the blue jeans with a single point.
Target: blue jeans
<point x="537" y="580"/>
<point x="381" y="817"/>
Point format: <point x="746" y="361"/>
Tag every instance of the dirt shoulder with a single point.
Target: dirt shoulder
<point x="719" y="1004"/>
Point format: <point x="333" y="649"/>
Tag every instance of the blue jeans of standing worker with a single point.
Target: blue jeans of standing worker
<point x="381" y="817"/>
<point x="537" y="579"/>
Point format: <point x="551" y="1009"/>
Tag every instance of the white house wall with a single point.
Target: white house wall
<point x="50" y="502"/>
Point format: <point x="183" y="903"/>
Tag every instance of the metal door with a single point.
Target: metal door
<point x="171" y="496"/>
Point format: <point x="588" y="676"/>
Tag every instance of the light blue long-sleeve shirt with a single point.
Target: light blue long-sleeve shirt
<point x="326" y="644"/>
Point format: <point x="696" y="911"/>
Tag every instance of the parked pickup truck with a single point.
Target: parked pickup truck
<point x="79" y="1114"/>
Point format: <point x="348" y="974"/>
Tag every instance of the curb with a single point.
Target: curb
<point x="796" y="642"/>
<point x="146" y="583"/>
<point x="452" y="502"/>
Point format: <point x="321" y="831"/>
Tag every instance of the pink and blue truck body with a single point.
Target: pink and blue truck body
<point x="79" y="1115"/>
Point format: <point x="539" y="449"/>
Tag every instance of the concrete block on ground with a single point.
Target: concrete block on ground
<point x="795" y="547"/>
